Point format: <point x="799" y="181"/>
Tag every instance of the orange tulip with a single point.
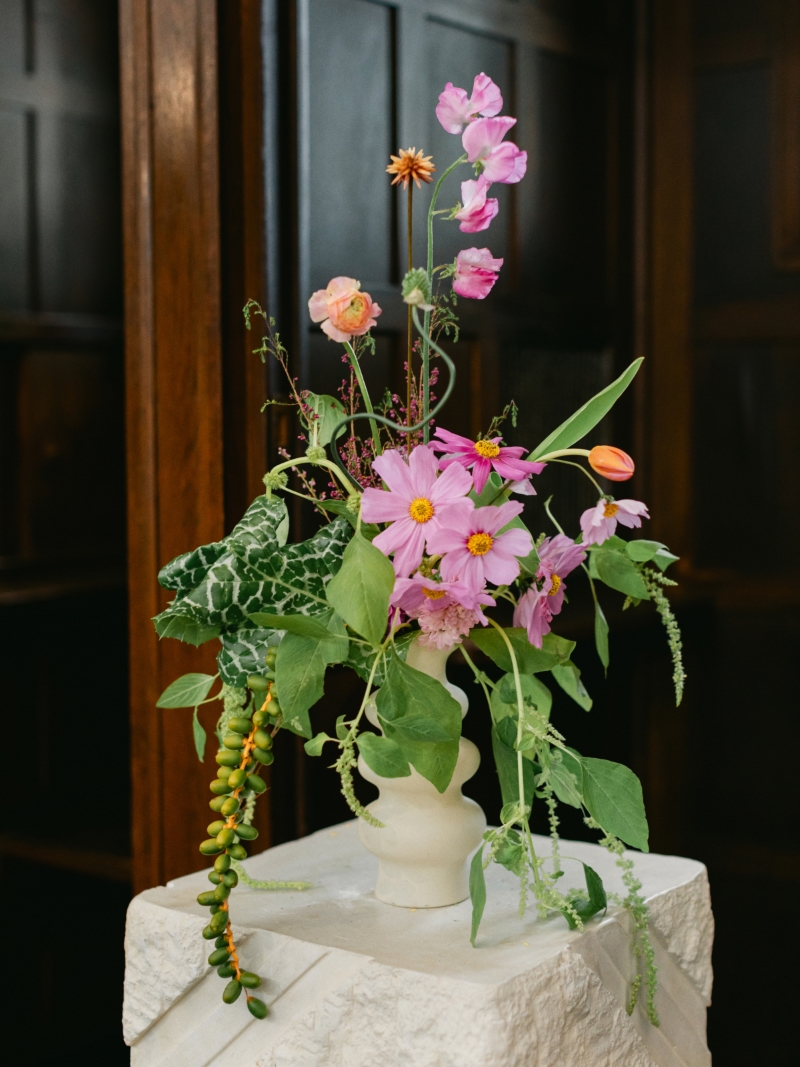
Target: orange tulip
<point x="611" y="463"/>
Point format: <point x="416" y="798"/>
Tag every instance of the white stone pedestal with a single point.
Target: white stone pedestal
<point x="354" y="982"/>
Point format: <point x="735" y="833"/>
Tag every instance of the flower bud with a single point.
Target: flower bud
<point x="611" y="463"/>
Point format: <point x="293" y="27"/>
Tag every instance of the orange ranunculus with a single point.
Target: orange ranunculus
<point x="611" y="463"/>
<point x="343" y="309"/>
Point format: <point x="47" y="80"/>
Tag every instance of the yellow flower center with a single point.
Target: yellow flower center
<point x="487" y="449"/>
<point x="433" y="594"/>
<point x="421" y="510"/>
<point x="554" y="588"/>
<point x="610" y="510"/>
<point x="480" y="543"/>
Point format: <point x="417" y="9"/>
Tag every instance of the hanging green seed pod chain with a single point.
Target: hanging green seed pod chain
<point x="245" y="743"/>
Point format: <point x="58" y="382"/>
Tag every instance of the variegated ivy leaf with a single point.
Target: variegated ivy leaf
<point x="242" y="654"/>
<point x="254" y="574"/>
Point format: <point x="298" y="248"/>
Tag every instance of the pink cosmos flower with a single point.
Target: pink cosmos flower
<point x="415" y="505"/>
<point x="600" y="522"/>
<point x="419" y="594"/>
<point x="476" y="273"/>
<point x="346" y="311"/>
<point x="455" y="111"/>
<point x="478" y="211"/>
<point x="472" y="549"/>
<point x="557" y="557"/>
<point x="501" y="161"/>
<point x="484" y="456"/>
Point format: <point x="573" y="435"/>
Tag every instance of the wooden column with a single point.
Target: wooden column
<point x="174" y="391"/>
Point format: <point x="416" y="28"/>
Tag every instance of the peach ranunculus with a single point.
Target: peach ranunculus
<point x="343" y="309"/>
<point x="611" y="463"/>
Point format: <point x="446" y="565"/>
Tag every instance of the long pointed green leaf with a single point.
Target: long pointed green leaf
<point x="588" y="416"/>
<point x="477" y="892"/>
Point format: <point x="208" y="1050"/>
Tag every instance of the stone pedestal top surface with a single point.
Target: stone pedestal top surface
<point x="352" y="981"/>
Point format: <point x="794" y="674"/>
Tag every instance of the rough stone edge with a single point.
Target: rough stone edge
<point x="683" y="918"/>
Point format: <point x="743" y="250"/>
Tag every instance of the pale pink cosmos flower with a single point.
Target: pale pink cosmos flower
<point x="471" y="548"/>
<point x="501" y="161"/>
<point x="478" y="210"/>
<point x="484" y="456"/>
<point x="455" y="110"/>
<point x="418" y="594"/>
<point x="416" y="503"/>
<point x="600" y="522"/>
<point x="346" y="311"/>
<point x="558" y="556"/>
<point x="476" y="273"/>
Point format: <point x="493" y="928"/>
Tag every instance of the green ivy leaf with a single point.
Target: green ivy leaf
<point x="407" y="697"/>
<point x="360" y="591"/>
<point x="199" y="736"/>
<point x="186" y="691"/>
<point x="505" y="760"/>
<point x="314" y="746"/>
<point x="613" y="796"/>
<point x="619" y="572"/>
<point x="185" y="628"/>
<point x="569" y="678"/>
<point x="300" y="672"/>
<point x="586" y="417"/>
<point x="477" y="892"/>
<point x="530" y="660"/>
<point x="383" y="756"/>
<point x="534" y="691"/>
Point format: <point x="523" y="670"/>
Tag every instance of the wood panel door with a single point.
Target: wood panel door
<point x="350" y="81"/>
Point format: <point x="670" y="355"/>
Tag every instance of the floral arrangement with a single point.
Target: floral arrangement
<point x="421" y="537"/>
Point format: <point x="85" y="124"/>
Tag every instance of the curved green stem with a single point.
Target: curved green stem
<point x="289" y="463"/>
<point x="362" y="385"/>
<point x="569" y="463"/>
<point x="426" y="387"/>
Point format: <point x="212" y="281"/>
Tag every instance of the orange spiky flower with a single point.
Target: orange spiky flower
<point x="411" y="164"/>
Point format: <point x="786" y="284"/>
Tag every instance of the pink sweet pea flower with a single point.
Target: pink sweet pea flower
<point x="501" y="161"/>
<point x="471" y="548"/>
<point x="600" y="522"/>
<point x="346" y="311"/>
<point x="476" y="273"/>
<point x="478" y="211"/>
<point x="484" y="456"/>
<point x="455" y="111"/>
<point x="557" y="557"/>
<point x="415" y="504"/>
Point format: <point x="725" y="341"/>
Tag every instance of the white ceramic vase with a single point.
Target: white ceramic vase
<point x="427" y="837"/>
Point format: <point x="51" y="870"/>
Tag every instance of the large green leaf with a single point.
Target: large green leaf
<point x="643" y="550"/>
<point x="534" y="691"/>
<point x="360" y="591"/>
<point x="505" y="760"/>
<point x="304" y="625"/>
<point x="300" y="672"/>
<point x="383" y="756"/>
<point x="569" y="678"/>
<point x="619" y="572"/>
<point x="477" y="892"/>
<point x="186" y="691"/>
<point x="601" y="634"/>
<point x="242" y="654"/>
<point x="587" y="416"/>
<point x="199" y="735"/>
<point x="530" y="660"/>
<point x="613" y="796"/>
<point x="565" y="783"/>
<point x="405" y="699"/>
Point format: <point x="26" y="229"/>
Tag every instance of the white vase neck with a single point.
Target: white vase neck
<point x="428" y="660"/>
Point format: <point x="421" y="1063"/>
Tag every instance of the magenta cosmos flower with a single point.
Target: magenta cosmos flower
<point x="600" y="522"/>
<point x="415" y="504"/>
<point x="557" y="557"/>
<point x="484" y="456"/>
<point x="455" y="110"/>
<point x="471" y="548"/>
<point x="501" y="161"/>
<point x="343" y="309"/>
<point x="476" y="273"/>
<point x="478" y="210"/>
